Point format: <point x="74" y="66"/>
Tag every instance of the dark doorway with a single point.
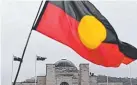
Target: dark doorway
<point x="64" y="83"/>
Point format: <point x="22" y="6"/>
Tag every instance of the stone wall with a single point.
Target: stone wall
<point x="67" y="79"/>
<point x="93" y="80"/>
<point x="24" y="83"/>
<point x="84" y="74"/>
<point x="115" y="83"/>
<point x="41" y="80"/>
<point x="50" y="74"/>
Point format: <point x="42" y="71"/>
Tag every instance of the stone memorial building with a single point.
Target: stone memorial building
<point x="64" y="72"/>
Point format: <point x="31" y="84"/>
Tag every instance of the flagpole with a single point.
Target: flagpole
<point x="107" y="80"/>
<point x="12" y="70"/>
<point x="26" y="45"/>
<point x="130" y="75"/>
<point x="35" y="70"/>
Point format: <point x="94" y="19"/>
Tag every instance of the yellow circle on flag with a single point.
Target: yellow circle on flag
<point x="91" y="32"/>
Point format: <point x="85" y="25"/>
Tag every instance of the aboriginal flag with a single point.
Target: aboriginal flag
<point x="79" y="25"/>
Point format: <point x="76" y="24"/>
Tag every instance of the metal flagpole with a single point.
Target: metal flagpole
<point x="130" y="75"/>
<point x="35" y="71"/>
<point x="26" y="46"/>
<point x="37" y="58"/>
<point x="12" y="70"/>
<point x="107" y="80"/>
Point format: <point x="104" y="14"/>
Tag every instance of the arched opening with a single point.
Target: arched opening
<point x="64" y="83"/>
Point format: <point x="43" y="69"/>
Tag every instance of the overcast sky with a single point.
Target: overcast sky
<point x="17" y="19"/>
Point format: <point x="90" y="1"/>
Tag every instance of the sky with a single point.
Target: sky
<point x="17" y="19"/>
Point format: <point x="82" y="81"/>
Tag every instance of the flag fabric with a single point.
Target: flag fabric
<point x="40" y="58"/>
<point x="17" y="59"/>
<point x="80" y="25"/>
